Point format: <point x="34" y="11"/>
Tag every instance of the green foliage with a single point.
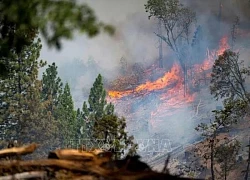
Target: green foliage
<point x="66" y="116"/>
<point x="177" y="21"/>
<point x="97" y="98"/>
<point x="55" y="20"/>
<point x="101" y="123"/>
<point x="98" y="106"/>
<point x="51" y="87"/>
<point x="227" y="83"/>
<point x="80" y="125"/>
<point x="111" y="129"/>
<point x="23" y="115"/>
<point x="228" y="77"/>
<point x="16" y="86"/>
<point x="225" y="156"/>
<point x="208" y="148"/>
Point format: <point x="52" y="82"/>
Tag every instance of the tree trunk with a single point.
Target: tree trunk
<point x="212" y="158"/>
<point x="225" y="171"/>
<point x="160" y="46"/>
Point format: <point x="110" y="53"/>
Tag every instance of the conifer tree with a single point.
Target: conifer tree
<point x="22" y="113"/>
<point x="97" y="106"/>
<point x="80" y="125"/>
<point x="103" y="125"/>
<point x="66" y="116"/>
<point x="97" y="98"/>
<point x="51" y="86"/>
<point x="110" y="129"/>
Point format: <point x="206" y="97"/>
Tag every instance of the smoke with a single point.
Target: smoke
<point x="134" y="41"/>
<point x="81" y="60"/>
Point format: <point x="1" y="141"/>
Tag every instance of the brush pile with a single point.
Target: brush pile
<point x="72" y="164"/>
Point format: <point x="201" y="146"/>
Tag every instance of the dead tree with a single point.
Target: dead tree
<point x="177" y="21"/>
<point x="160" y="45"/>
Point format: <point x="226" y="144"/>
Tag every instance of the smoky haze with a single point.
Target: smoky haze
<point x="134" y="39"/>
<point x="81" y="60"/>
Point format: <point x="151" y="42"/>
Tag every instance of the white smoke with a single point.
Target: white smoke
<point x="135" y="41"/>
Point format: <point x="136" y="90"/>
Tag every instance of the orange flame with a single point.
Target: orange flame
<point x="169" y="77"/>
<point x="171" y="85"/>
<point x="223" y="45"/>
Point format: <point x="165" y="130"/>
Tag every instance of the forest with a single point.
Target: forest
<point x="176" y="111"/>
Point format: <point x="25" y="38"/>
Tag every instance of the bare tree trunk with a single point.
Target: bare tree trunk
<point x="160" y="45"/>
<point x="225" y="170"/>
<point x="212" y="158"/>
<point x="18" y="132"/>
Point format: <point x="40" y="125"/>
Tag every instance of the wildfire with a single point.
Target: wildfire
<point x="211" y="55"/>
<point x="170" y="90"/>
<point x="169" y="78"/>
<point x="223" y="45"/>
<point x="119" y="94"/>
<point x="174" y="75"/>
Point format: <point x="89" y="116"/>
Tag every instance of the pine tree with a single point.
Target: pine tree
<point x="23" y="116"/>
<point x="97" y="98"/>
<point x="51" y="86"/>
<point x="88" y="121"/>
<point x="80" y="125"/>
<point x="103" y="125"/>
<point x="66" y="116"/>
<point x="97" y="106"/>
<point x="110" y="129"/>
<point x="15" y="87"/>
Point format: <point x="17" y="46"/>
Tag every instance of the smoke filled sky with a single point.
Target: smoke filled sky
<point x="134" y="39"/>
<point x="134" y="36"/>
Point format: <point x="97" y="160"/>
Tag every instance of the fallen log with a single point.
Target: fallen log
<point x="45" y="163"/>
<point x="26" y="175"/>
<point x="15" y="151"/>
<point x="54" y="165"/>
<point x="85" y="177"/>
<point x="77" y="165"/>
<point x="71" y="154"/>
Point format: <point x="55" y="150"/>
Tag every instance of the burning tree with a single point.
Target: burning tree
<point x="177" y="21"/>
